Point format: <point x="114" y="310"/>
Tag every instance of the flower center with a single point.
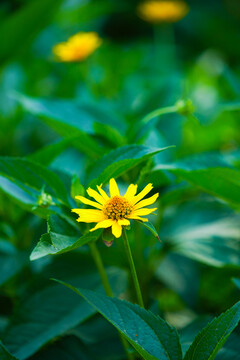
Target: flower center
<point x="117" y="208"/>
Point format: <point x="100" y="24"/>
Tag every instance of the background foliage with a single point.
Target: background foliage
<point x="66" y="126"/>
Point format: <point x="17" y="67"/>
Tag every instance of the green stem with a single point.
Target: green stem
<point x="164" y="46"/>
<point x="139" y="129"/>
<point x="157" y="48"/>
<point x="158" y="112"/>
<point x="132" y="268"/>
<point x="107" y="287"/>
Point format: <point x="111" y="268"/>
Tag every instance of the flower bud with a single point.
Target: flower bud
<point x="185" y="107"/>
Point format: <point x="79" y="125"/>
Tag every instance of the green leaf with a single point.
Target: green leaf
<point x="23" y="25"/>
<point x="24" y="180"/>
<point x="68" y="348"/>
<point x="211" y="174"/>
<point x="209" y="234"/>
<point x="181" y="275"/>
<point x="228" y="354"/>
<point x="102" y="338"/>
<point x="51" y="312"/>
<point x="208" y="342"/>
<point x="6" y="247"/>
<point x="11" y="264"/>
<point x="119" y="161"/>
<point x="176" y="193"/>
<point x="108" y="236"/>
<point x="66" y="112"/>
<point x="47" y="154"/>
<point x="110" y="134"/>
<point x="189" y="332"/>
<point x="4" y="354"/>
<point x="62" y="236"/>
<point x="236" y="282"/>
<point x="148" y="225"/>
<point x="88" y="12"/>
<point x="230" y="351"/>
<point x="77" y="188"/>
<point x="150" y="335"/>
<point x="67" y="117"/>
<point x="150" y="120"/>
<point x="231" y="106"/>
<point x="52" y="244"/>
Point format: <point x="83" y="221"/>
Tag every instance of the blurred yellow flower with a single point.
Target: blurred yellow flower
<point x="115" y="211"/>
<point x="162" y="11"/>
<point x="78" y="47"/>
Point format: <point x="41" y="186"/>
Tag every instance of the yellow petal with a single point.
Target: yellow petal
<point x="135" y="217"/>
<point x="94" y="194"/>
<point x="77" y="47"/>
<point x="146" y="202"/>
<point x="89" y="215"/>
<point x="143" y="193"/>
<point x="103" y="224"/>
<point x="102" y="192"/>
<point x="116" y="229"/>
<point x="162" y="11"/>
<point x="142" y="212"/>
<point x="124" y="222"/>
<point x="113" y="188"/>
<point x="131" y="191"/>
<point x="88" y="202"/>
<point x="59" y="49"/>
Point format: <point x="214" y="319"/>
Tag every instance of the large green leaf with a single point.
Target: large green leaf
<point x="228" y="354"/>
<point x="18" y="30"/>
<point x="150" y="335"/>
<point x="4" y="354"/>
<point x="88" y="12"/>
<point x="62" y="236"/>
<point x="65" y="112"/>
<point x="12" y="261"/>
<point x="212" y="174"/>
<point x="68" y="348"/>
<point x="24" y="180"/>
<point x="189" y="332"/>
<point x="237" y="282"/>
<point x="51" y="312"/>
<point x="68" y="117"/>
<point x="204" y="231"/>
<point x="11" y="264"/>
<point x="102" y="338"/>
<point x="119" y="161"/>
<point x="209" y="341"/>
<point x="230" y="351"/>
<point x="231" y="106"/>
<point x="181" y="275"/>
<point x="47" y="154"/>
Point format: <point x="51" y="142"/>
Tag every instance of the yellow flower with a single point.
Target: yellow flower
<point x="162" y="11"/>
<point x="115" y="211"/>
<point x="78" y="47"/>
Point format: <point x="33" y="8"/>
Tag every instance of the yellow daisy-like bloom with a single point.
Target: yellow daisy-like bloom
<point x="115" y="211"/>
<point x="78" y="47"/>
<point x="163" y="11"/>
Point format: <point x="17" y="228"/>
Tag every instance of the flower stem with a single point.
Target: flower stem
<point x="132" y="268"/>
<point x="159" y="112"/>
<point x="107" y="287"/>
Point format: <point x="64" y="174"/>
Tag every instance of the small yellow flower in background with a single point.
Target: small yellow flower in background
<point x="78" y="47"/>
<point x="162" y="11"/>
<point x="115" y="211"/>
